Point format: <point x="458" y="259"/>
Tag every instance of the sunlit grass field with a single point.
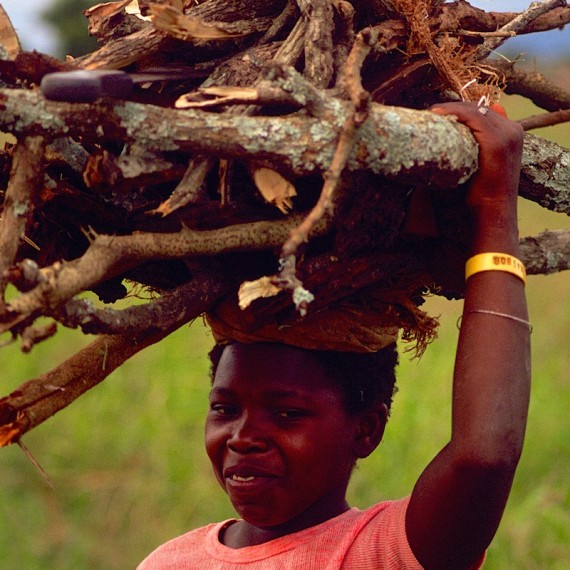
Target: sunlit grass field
<point x="129" y="471"/>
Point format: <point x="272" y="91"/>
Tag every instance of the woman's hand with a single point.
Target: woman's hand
<point x="500" y="150"/>
<point x="493" y="190"/>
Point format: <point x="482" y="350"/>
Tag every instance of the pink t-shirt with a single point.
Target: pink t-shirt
<point x="355" y="540"/>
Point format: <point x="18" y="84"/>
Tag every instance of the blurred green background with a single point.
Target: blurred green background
<point x="129" y="471"/>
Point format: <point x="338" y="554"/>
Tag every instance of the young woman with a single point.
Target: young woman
<point x="286" y="425"/>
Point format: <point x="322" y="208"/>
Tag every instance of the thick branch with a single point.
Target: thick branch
<point x="415" y="146"/>
<point x="110" y="255"/>
<point x="179" y="306"/>
<point x="418" y="146"/>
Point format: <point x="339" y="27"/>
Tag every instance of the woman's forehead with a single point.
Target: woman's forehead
<point x="280" y="366"/>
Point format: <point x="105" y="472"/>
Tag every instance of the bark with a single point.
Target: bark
<point x="549" y="252"/>
<point x="414" y="146"/>
<point x="418" y="146"/>
<point x="545" y="174"/>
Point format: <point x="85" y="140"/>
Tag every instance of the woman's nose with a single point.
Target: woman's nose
<point x="247" y="435"/>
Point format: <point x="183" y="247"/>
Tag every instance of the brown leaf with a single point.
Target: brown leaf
<point x="274" y="188"/>
<point x="249" y="291"/>
<point x="9" y="43"/>
<point x="175" y="23"/>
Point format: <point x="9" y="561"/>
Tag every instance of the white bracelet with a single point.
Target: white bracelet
<point x="495" y="314"/>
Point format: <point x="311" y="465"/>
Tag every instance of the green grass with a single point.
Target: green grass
<point x="129" y="470"/>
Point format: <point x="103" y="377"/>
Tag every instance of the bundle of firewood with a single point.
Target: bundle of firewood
<point x="281" y="148"/>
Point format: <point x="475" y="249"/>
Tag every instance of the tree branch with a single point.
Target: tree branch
<point x="549" y="252"/>
<point x="531" y="85"/>
<point x="178" y="306"/>
<point x="27" y="175"/>
<point x="318" y="41"/>
<point x="545" y="174"/>
<point x="545" y="120"/>
<point x="110" y="255"/>
<point x="413" y="145"/>
<point x="518" y="23"/>
<point x="37" y="400"/>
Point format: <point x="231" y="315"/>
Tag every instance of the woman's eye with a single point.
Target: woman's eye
<point x="222" y="409"/>
<point x="290" y="414"/>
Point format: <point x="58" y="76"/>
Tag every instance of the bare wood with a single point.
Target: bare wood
<point x="555" y="18"/>
<point x="318" y="41"/>
<point x="360" y="100"/>
<point x="39" y="399"/>
<point x="181" y="305"/>
<point x="318" y="133"/>
<point x="110" y="255"/>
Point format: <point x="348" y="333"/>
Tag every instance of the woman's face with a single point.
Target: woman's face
<point x="278" y="437"/>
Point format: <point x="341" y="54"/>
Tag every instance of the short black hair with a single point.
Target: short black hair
<point x="364" y="378"/>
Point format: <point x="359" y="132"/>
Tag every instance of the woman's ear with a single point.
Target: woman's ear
<point x="370" y="430"/>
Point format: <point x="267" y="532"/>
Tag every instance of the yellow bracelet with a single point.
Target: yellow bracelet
<point x="495" y="262"/>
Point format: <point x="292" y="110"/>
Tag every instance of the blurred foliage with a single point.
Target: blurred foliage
<point x="129" y="470"/>
<point x="67" y="19"/>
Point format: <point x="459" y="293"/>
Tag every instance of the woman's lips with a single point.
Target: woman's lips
<point x="248" y="479"/>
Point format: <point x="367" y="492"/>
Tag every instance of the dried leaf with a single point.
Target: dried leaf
<point x="274" y="188"/>
<point x="99" y="15"/>
<point x="9" y="43"/>
<point x="249" y="291"/>
<point x="134" y="9"/>
<point x="175" y="23"/>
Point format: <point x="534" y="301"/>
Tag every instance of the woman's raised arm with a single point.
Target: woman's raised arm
<point x="458" y="501"/>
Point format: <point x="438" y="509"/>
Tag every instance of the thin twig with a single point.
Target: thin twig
<point x="35" y="463"/>
<point x="361" y="100"/>
<point x="545" y="120"/>
<point x="522" y="21"/>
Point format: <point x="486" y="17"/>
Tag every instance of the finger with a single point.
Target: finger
<point x="499" y="109"/>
